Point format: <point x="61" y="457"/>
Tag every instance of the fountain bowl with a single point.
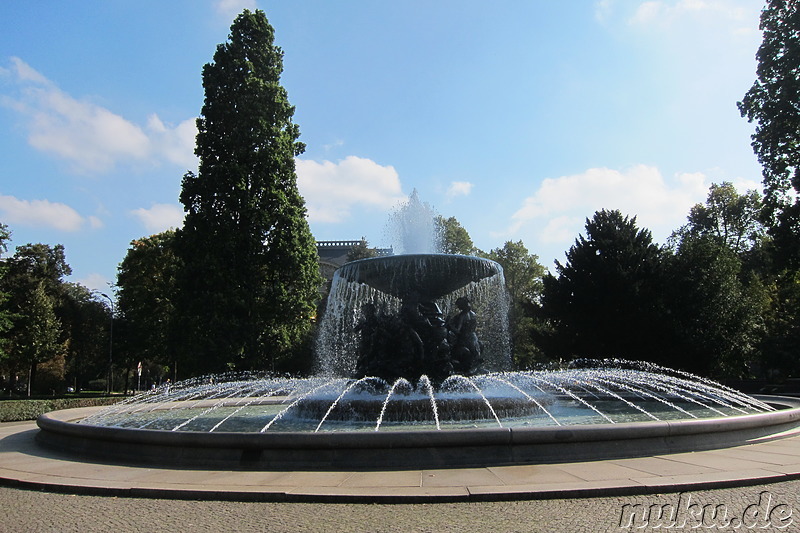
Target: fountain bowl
<point x="433" y="275"/>
<point x="160" y="428"/>
<point x="414" y="449"/>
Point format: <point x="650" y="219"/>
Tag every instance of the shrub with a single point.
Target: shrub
<point x="19" y="410"/>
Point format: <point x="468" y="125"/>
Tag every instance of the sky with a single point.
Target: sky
<point x="521" y="118"/>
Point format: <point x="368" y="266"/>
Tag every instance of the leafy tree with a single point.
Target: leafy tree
<point x="772" y="104"/>
<point x="86" y="321"/>
<point x="522" y="271"/>
<point x="606" y="299"/>
<point x="40" y="262"/>
<point x="728" y="217"/>
<point x="453" y="238"/>
<point x="523" y="275"/>
<point x="37" y="331"/>
<point x="361" y="251"/>
<point x="716" y="318"/>
<point x="249" y="275"/>
<point x="782" y="329"/>
<point x="34" y="282"/>
<point x="147" y="286"/>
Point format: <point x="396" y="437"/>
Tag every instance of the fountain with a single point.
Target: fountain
<point x="415" y="371"/>
<point x="388" y="312"/>
<point x="408" y="379"/>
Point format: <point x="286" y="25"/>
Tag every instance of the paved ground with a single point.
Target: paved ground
<point x="24" y="463"/>
<point x="32" y="512"/>
<point x="637" y="494"/>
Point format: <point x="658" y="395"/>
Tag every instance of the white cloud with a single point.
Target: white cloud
<point x="602" y="10"/>
<point x="90" y="137"/>
<point x="459" y="188"/>
<point x="95" y="222"/>
<point x="557" y="211"/>
<point x="647" y="12"/>
<point x="231" y="8"/>
<point x="41" y="213"/>
<point x="160" y="217"/>
<point x="175" y="144"/>
<point x="338" y="143"/>
<point x="665" y="13"/>
<point x="333" y="190"/>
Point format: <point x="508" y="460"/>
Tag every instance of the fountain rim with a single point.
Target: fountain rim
<point x="365" y="271"/>
<point x="422" y="448"/>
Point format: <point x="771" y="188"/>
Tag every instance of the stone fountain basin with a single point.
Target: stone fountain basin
<point x="430" y="275"/>
<point x="413" y="449"/>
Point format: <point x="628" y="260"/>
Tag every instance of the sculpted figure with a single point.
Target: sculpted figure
<point x="466" y="349"/>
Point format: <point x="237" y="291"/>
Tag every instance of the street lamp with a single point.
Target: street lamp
<point x="110" y="342"/>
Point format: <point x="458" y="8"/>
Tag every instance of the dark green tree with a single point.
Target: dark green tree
<point x="732" y="219"/>
<point x="34" y="282"/>
<point x="249" y="275"/>
<point x="453" y="238"/>
<point x="523" y="275"/>
<point x="778" y="347"/>
<point x="606" y="299"/>
<point x="716" y="318"/>
<point x="361" y="250"/>
<point x="32" y="263"/>
<point x="522" y="271"/>
<point x="36" y="335"/>
<point x="772" y="104"/>
<point x="86" y="321"/>
<point x="147" y="287"/>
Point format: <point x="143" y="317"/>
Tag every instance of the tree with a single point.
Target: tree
<point x="523" y="276"/>
<point x="605" y="301"/>
<point x="453" y="238"/>
<point x="778" y="347"/>
<point x="730" y="218"/>
<point x="717" y="298"/>
<point x="40" y="262"/>
<point x="361" y="251"/>
<point x="249" y="275"/>
<point x="86" y="322"/>
<point x="522" y="271"/>
<point x="716" y="318"/>
<point x="772" y="104"/>
<point x="34" y="282"/>
<point x="147" y="286"/>
<point x="37" y="332"/>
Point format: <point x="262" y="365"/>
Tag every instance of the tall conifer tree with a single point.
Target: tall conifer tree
<point x="249" y="279"/>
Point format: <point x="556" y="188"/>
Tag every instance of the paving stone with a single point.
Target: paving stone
<point x="459" y="477"/>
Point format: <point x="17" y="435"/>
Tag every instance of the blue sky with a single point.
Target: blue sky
<point x="521" y="118"/>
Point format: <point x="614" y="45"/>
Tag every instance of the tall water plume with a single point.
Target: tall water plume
<point x="412" y="227"/>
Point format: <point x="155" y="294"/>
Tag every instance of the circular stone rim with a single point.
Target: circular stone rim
<point x="406" y="277"/>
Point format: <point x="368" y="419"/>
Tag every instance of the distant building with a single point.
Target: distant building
<point x="333" y="254"/>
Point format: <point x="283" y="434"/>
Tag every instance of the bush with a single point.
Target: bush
<point x="19" y="410"/>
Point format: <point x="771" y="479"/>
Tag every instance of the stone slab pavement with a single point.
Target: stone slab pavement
<point x="767" y="507"/>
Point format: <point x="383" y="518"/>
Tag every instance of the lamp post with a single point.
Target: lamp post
<point x="110" y="343"/>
